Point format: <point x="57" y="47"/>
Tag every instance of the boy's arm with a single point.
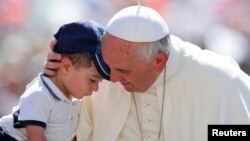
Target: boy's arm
<point x="74" y="139"/>
<point x="35" y="133"/>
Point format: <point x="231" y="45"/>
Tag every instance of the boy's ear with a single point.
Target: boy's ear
<point x="160" y="60"/>
<point x="66" y="65"/>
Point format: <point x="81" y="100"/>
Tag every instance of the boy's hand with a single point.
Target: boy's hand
<point x="53" y="61"/>
<point x="35" y="133"/>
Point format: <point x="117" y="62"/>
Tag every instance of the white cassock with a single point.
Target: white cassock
<point x="201" y="88"/>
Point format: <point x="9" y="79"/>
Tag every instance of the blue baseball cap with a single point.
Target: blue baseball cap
<point x="83" y="36"/>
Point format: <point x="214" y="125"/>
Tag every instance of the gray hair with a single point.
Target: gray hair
<point x="150" y="49"/>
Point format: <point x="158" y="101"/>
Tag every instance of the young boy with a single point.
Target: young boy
<point x="49" y="108"/>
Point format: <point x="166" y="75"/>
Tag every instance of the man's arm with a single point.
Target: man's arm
<point x="35" y="133"/>
<point x="53" y="61"/>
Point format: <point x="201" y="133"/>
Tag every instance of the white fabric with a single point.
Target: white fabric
<point x="131" y="127"/>
<point x="38" y="105"/>
<point x="149" y="114"/>
<point x="130" y="24"/>
<point x="85" y="126"/>
<point x="201" y="88"/>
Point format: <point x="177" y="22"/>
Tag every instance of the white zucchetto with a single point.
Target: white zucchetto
<point x="137" y="24"/>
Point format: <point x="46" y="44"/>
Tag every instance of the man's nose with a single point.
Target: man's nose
<point x="115" y="76"/>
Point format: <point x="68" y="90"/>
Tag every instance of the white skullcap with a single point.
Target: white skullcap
<point x="137" y="24"/>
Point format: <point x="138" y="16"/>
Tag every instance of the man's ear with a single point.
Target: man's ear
<point x="160" y="60"/>
<point x="66" y="65"/>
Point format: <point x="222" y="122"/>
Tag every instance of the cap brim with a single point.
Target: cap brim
<point x="101" y="66"/>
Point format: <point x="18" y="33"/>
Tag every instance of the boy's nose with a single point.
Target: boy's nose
<point x="95" y="87"/>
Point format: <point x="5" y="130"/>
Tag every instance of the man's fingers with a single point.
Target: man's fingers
<point x="49" y="72"/>
<point x="51" y="65"/>
<point x="52" y="56"/>
<point x="52" y="44"/>
<point x="49" y="68"/>
<point x="53" y="61"/>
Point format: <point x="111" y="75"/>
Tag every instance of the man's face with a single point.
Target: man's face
<point x="136" y="75"/>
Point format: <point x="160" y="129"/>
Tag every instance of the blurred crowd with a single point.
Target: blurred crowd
<point x="27" y="27"/>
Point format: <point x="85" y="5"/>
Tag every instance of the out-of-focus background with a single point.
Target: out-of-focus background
<point x="27" y="27"/>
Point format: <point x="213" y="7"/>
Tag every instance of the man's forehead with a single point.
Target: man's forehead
<point x="119" y="48"/>
<point x="112" y="41"/>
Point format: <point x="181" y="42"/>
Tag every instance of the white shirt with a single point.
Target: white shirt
<point x="149" y="111"/>
<point x="46" y="108"/>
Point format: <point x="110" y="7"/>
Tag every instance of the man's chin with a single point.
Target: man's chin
<point x="133" y="89"/>
<point x="129" y="88"/>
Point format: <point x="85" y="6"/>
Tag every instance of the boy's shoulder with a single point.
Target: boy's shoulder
<point x="36" y="90"/>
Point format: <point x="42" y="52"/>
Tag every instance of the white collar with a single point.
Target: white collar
<point x="53" y="89"/>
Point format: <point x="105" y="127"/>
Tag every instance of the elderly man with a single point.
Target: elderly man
<point x="169" y="89"/>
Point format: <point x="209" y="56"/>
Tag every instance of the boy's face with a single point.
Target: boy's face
<point x="81" y="81"/>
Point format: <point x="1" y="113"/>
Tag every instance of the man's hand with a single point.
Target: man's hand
<point x="53" y="61"/>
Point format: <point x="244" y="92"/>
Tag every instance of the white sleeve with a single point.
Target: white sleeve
<point x="34" y="109"/>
